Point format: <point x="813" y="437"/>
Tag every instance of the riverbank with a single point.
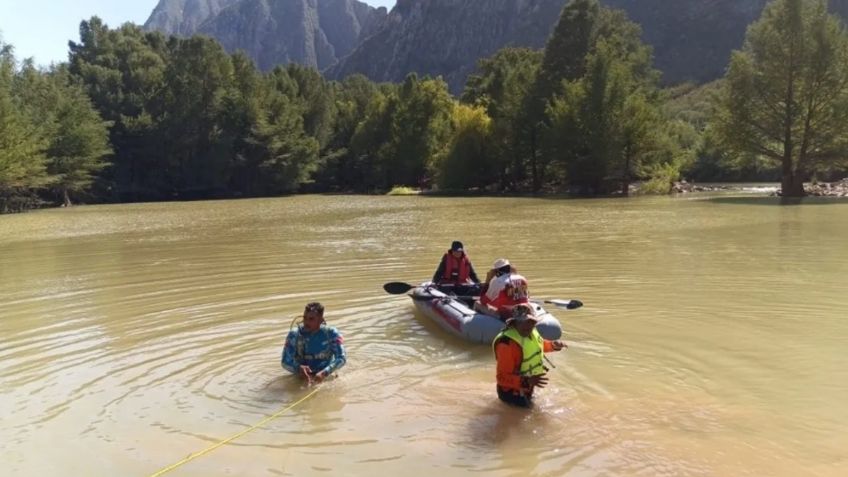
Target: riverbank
<point x="684" y="187"/>
<point x="826" y="189"/>
<point x="815" y="189"/>
<point x="812" y="189"/>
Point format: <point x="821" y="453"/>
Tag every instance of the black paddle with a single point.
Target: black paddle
<point x="399" y="288"/>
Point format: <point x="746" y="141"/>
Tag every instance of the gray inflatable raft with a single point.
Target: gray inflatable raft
<point x="454" y="315"/>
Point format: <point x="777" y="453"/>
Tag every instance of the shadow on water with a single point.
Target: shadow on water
<point x="779" y="201"/>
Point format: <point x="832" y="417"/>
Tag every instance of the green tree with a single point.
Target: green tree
<point x="404" y="130"/>
<point x="196" y="80"/>
<point x="340" y="168"/>
<point x="371" y="144"/>
<point x="464" y="164"/>
<point x="241" y="108"/>
<point x="564" y="60"/>
<point x="123" y="72"/>
<point x="279" y="155"/>
<point x="316" y="96"/>
<point x="501" y="86"/>
<point x="22" y="144"/>
<point x="79" y="142"/>
<point x="605" y="128"/>
<point x="420" y="127"/>
<point x="786" y="92"/>
<point x="567" y="49"/>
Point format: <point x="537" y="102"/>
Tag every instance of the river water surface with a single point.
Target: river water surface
<point x="712" y="341"/>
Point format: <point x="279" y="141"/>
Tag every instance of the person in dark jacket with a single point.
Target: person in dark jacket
<point x="456" y="273"/>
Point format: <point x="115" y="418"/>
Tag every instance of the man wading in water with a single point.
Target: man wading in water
<point x="313" y="350"/>
<point x="519" y="349"/>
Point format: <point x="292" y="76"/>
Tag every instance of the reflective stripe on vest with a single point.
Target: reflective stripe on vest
<point x="531" y="350"/>
<point x="457" y="270"/>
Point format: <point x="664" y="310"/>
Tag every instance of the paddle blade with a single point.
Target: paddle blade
<point x="397" y="288"/>
<point x="569" y="304"/>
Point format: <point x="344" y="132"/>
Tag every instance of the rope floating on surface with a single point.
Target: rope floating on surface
<point x="211" y="448"/>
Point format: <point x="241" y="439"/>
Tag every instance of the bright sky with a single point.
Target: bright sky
<point x="42" y="28"/>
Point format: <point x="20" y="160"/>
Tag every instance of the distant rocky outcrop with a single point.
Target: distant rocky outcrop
<point x="692" y="39"/>
<point x="314" y="33"/>
<point x="183" y="17"/>
<point x="447" y="37"/>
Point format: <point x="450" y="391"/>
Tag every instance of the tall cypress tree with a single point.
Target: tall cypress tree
<point x="22" y="144"/>
<point x="80" y="139"/>
<point x="786" y="92"/>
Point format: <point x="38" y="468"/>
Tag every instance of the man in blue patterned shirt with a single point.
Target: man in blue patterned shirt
<point x="313" y="350"/>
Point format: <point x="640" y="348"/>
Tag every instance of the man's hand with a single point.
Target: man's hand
<point x="558" y="345"/>
<point x="537" y="381"/>
<point x="307" y="373"/>
<point x="319" y="376"/>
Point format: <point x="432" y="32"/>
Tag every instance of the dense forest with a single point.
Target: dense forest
<point x="140" y="116"/>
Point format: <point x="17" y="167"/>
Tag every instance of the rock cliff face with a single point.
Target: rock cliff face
<point x="692" y="39"/>
<point x="183" y="17"/>
<point x="310" y="32"/>
<point x="447" y="37"/>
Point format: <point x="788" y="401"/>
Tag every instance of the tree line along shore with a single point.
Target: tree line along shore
<point x="140" y="116"/>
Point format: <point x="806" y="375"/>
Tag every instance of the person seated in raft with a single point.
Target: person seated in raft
<point x="313" y="350"/>
<point x="455" y="273"/>
<point x="506" y="289"/>
<point x="520" y="369"/>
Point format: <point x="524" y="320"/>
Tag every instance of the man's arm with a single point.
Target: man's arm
<point x="339" y="355"/>
<point x="555" y="345"/>
<point x="437" y="277"/>
<point x="289" y="362"/>
<point x="509" y="355"/>
<point x="495" y="286"/>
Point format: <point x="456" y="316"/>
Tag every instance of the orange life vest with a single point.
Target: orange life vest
<point x="457" y="270"/>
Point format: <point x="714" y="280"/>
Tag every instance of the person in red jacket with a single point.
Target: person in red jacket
<point x="456" y="273"/>
<point x="505" y="290"/>
<point x="518" y="350"/>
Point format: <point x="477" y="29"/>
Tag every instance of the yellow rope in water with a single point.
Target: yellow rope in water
<point x="235" y="436"/>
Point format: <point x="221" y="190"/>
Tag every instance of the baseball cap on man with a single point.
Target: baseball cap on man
<point x="456" y="246"/>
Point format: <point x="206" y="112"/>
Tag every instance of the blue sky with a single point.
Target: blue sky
<point x="42" y="28"/>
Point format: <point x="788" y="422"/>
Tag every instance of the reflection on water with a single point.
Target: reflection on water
<point x="711" y="343"/>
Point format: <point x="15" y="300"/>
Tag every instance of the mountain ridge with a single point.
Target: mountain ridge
<point x="691" y="42"/>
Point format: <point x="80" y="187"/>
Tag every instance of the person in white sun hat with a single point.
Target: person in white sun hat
<point x="506" y="288"/>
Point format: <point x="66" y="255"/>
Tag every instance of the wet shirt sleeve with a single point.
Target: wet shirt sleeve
<point x="289" y="362"/>
<point x="337" y="349"/>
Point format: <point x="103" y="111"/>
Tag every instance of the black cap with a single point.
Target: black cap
<point x="456" y="246"/>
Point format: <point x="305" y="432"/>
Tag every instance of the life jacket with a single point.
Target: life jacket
<point x="300" y="347"/>
<point x="457" y="270"/>
<point x="531" y="349"/>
